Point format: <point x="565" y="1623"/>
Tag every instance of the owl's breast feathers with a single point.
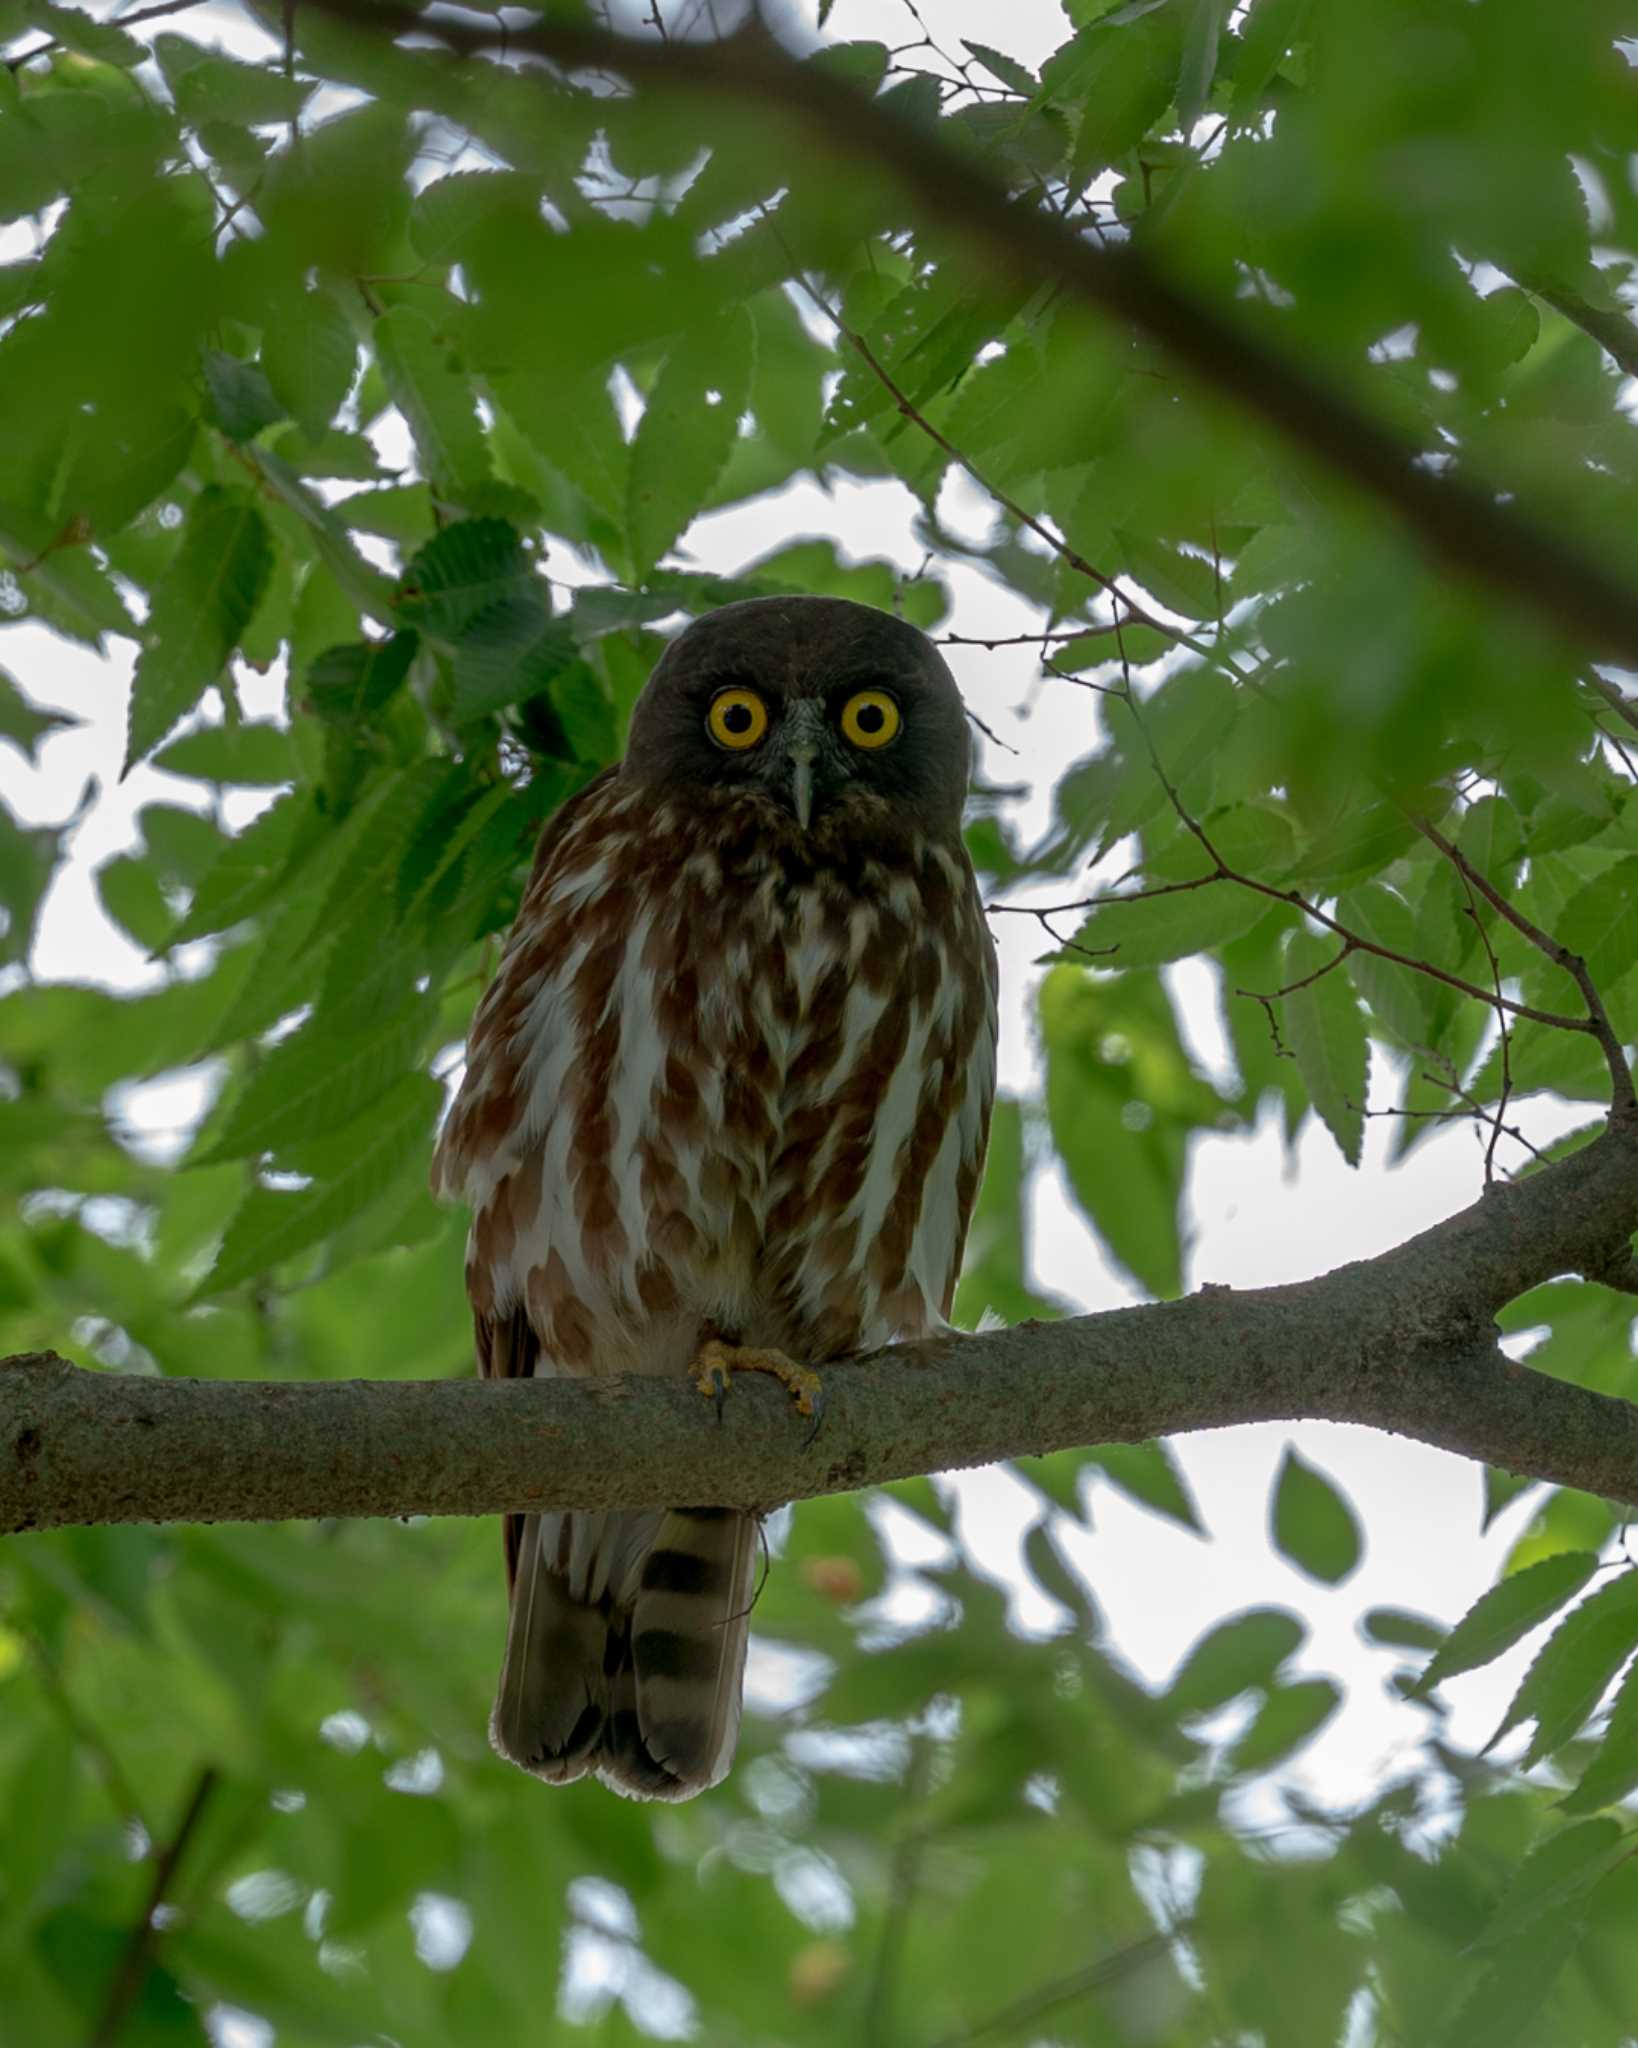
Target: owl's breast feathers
<point x="728" y="1074"/>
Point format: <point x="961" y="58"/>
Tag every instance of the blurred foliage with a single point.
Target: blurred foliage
<point x="318" y="367"/>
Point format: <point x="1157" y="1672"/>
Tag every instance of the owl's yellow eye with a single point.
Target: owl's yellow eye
<point x="871" y="718"/>
<point x="737" y="718"/>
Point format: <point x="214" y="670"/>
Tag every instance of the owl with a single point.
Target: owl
<point x="725" y="1104"/>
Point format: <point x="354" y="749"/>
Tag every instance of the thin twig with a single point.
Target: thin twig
<point x="1623" y="1099"/>
<point x="1614" y="332"/>
<point x="1616" y="698"/>
<point x="1034" y="2005"/>
<point x="1501" y="1025"/>
<point x="903" y="1876"/>
<point x="137" y="1960"/>
<point x="1354" y="941"/>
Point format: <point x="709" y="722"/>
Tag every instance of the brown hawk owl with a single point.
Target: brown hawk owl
<point x="730" y="1088"/>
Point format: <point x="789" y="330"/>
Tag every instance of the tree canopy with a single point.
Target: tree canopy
<point x="396" y="354"/>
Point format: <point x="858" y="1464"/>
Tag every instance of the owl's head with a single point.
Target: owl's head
<point x="815" y="704"/>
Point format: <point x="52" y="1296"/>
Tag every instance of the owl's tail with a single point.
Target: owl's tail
<point x="625" y="1652"/>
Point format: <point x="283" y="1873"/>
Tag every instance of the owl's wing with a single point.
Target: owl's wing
<point x="480" y="1118"/>
<point x="972" y="1115"/>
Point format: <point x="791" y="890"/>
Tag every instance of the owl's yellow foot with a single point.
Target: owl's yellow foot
<point x="716" y="1363"/>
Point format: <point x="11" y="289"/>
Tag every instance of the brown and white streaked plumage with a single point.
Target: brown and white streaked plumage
<point x="732" y="1082"/>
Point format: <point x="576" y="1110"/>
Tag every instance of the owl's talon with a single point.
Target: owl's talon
<point x="818" y="1401"/>
<point x="716" y="1363"/>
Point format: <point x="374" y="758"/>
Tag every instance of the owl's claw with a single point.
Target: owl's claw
<point x="716" y="1364"/>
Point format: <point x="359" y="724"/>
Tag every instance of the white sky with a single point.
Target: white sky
<point x="1256" y="1217"/>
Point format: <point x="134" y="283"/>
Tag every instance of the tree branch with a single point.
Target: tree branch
<point x="1459" y="523"/>
<point x="1403" y="1342"/>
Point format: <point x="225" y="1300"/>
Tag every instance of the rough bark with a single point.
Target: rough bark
<point x="1404" y="1342"/>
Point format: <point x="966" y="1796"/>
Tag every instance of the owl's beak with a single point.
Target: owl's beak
<point x="804" y="735"/>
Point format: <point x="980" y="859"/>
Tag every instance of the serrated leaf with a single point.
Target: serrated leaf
<point x="1239" y="1653"/>
<point x="1313" y="1524"/>
<point x="510" y="651"/>
<point x="1613" y="1772"/>
<point x="355" y="681"/>
<point x="309" y="353"/>
<point x="364" y="585"/>
<point x="1325" y="1031"/>
<point x="248" y="871"/>
<point x="437" y="401"/>
<point x="253" y="756"/>
<point x="203" y="604"/>
<point x="1150" y="1475"/>
<point x="686" y="433"/>
<point x="1407" y="1004"/>
<point x="349" y="1171"/>
<point x="1574" y="1666"/>
<point x="24" y="723"/>
<point x="1507" y="1613"/>
<point x="1600" y="922"/>
<point x="462" y="571"/>
<point x="1511" y="1992"/>
<point x="78" y="31"/>
<point x="241" y="397"/>
<point x="1000" y="65"/>
<point x="1290" y="1716"/>
<point x="1148" y="930"/>
<point x="380" y="832"/>
<point x="316" y="1081"/>
<point x="1554" y="1874"/>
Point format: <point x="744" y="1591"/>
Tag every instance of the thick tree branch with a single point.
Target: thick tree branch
<point x="1403" y="1342"/>
<point x="1460" y="523"/>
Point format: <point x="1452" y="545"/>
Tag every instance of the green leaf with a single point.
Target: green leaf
<point x="686" y="432"/>
<point x="77" y="31"/>
<point x="1237" y="1654"/>
<point x="24" y="723"/>
<point x="353" y="682"/>
<point x="1199" y="65"/>
<point x="1507" y="1613"/>
<point x="202" y="606"/>
<point x="437" y="401"/>
<point x="1290" y="1716"/>
<point x="1146" y="931"/>
<point x="510" y="651"/>
<point x="1326" y="1033"/>
<point x="1574" y="1666"/>
<point x="1150" y="1475"/>
<point x="247" y="756"/>
<point x="316" y="1081"/>
<point x="1505" y="2002"/>
<point x="1000" y="65"/>
<point x="1408" y="1005"/>
<point x="1398" y="1628"/>
<point x="309" y="352"/>
<point x="1600" y="922"/>
<point x="249" y="870"/>
<point x="350" y="1171"/>
<point x="241" y="398"/>
<point x="1554" y="1874"/>
<point x="1313" y="1524"/>
<point x="462" y="571"/>
<point x="1613" y="1772"/>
